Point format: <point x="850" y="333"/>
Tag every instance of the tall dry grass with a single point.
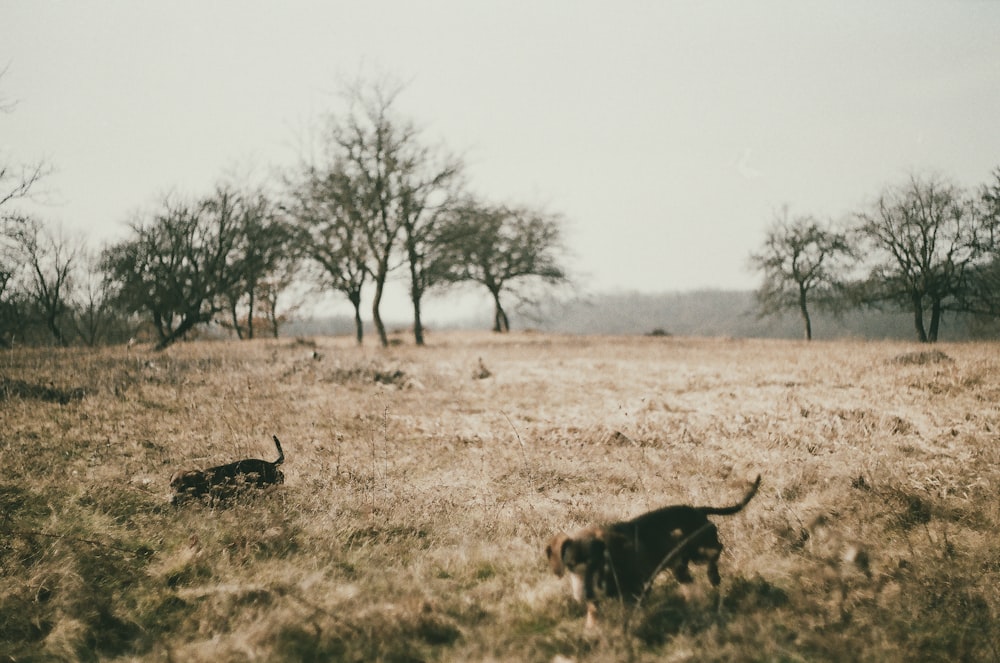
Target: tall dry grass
<point x="419" y="495"/>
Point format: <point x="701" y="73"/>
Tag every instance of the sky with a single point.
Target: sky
<point x="666" y="133"/>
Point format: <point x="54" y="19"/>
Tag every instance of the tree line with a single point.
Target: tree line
<point x="925" y="246"/>
<point x="371" y="197"/>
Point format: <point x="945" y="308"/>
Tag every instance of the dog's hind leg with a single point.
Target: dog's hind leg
<point x="682" y="572"/>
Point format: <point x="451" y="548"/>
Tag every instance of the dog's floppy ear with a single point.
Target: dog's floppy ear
<point x="554" y="552"/>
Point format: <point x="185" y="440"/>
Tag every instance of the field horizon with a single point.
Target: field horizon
<point x="422" y="483"/>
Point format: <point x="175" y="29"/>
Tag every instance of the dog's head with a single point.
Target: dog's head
<point x="186" y="479"/>
<point x="582" y="557"/>
<point x="554" y="553"/>
<point x="575" y="553"/>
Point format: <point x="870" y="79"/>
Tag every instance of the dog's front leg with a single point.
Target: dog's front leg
<point x="591" y="622"/>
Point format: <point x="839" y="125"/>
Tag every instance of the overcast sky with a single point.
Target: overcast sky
<point x="667" y="133"/>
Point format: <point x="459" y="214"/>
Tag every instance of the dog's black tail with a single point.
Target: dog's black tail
<point x="736" y="508"/>
<point x="281" y="454"/>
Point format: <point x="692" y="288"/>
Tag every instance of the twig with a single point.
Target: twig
<point x="524" y="453"/>
<point x="385" y="449"/>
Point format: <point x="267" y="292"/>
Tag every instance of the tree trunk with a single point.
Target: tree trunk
<point x="918" y="317"/>
<point x="418" y="327"/>
<point x="161" y="330"/>
<point x="359" y="326"/>
<point x="416" y="294"/>
<point x="272" y="316"/>
<point x="932" y="332"/>
<point x="377" y="302"/>
<point x="804" y="311"/>
<point x="50" y="321"/>
<point x="250" y="315"/>
<point x="271" y="310"/>
<point x="236" y="321"/>
<point x="187" y="323"/>
<point x="500" y="322"/>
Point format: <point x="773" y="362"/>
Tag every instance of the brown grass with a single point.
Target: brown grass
<point x="419" y="494"/>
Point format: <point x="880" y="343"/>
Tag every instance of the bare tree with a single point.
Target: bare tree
<point x="981" y="298"/>
<point x="52" y="260"/>
<point x="177" y="266"/>
<point x="989" y="198"/>
<point x="17" y="180"/>
<point x="16" y="183"/>
<point x="373" y="148"/>
<point x="925" y="244"/>
<point x="261" y="248"/>
<point x="398" y="184"/>
<point x="331" y="232"/>
<point x="378" y="189"/>
<point x="427" y="186"/>
<point x="503" y="248"/>
<point x="95" y="320"/>
<point x="271" y="291"/>
<point x="14" y="301"/>
<point x="800" y="260"/>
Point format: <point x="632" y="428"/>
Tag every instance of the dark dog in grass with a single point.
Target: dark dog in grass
<point x="224" y="480"/>
<point x="621" y="559"/>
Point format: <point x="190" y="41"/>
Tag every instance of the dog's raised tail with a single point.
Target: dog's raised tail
<point x="281" y="454"/>
<point x="736" y="508"/>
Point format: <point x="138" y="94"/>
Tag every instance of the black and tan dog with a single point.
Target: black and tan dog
<point x="620" y="559"/>
<point x="224" y="480"/>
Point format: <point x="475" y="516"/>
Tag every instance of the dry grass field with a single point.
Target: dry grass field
<point x="419" y="495"/>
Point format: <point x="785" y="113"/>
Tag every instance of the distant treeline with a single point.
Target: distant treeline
<point x="723" y="313"/>
<point x="702" y="313"/>
<point x="709" y="313"/>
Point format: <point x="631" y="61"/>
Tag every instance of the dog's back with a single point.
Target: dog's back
<point x="251" y="470"/>
<point x="679" y="534"/>
<point x="668" y="522"/>
<point x="222" y="479"/>
<point x="684" y="512"/>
